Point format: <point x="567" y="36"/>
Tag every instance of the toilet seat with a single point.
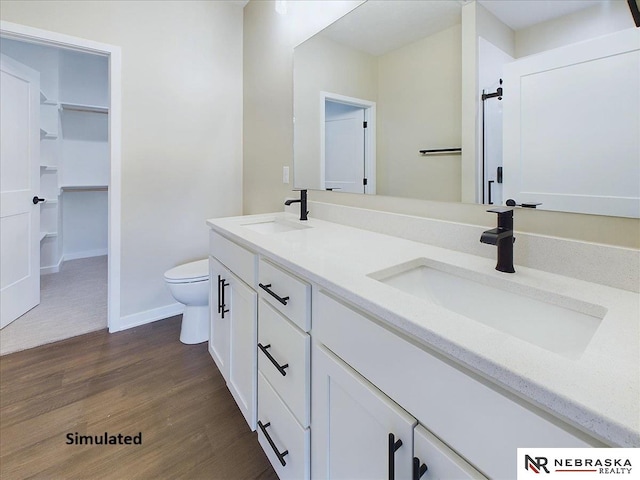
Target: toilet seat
<point x="192" y="272"/>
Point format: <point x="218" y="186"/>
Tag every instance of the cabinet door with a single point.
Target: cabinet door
<point x="219" y="333"/>
<point x="357" y="431"/>
<point x="242" y="318"/>
<point x="435" y="460"/>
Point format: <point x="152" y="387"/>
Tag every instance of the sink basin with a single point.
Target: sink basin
<point x="274" y="225"/>
<point x="559" y="324"/>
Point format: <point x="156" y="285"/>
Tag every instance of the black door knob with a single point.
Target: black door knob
<point x="36" y="200"/>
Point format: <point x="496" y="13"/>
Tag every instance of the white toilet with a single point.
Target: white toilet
<point x="189" y="284"/>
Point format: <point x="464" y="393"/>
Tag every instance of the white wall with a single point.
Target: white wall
<point x="181" y="126"/>
<point x="84" y="223"/>
<point x="582" y="25"/>
<point x="419" y="108"/>
<point x="84" y="78"/>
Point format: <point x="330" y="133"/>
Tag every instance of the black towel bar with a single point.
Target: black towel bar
<point x="441" y="150"/>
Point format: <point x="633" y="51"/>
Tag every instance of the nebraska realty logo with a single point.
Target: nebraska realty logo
<point x="582" y="463"/>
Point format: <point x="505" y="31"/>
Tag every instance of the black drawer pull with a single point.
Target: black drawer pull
<point x="273" y="445"/>
<point x="222" y="284"/>
<point x="394" y="445"/>
<point x="418" y="469"/>
<point x="273" y="360"/>
<point x="266" y="288"/>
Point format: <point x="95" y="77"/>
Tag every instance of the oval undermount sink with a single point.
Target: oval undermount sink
<point x="274" y="225"/>
<point x="556" y="323"/>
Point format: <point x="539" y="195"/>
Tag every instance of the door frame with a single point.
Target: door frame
<point x="28" y="34"/>
<point x="370" y="142"/>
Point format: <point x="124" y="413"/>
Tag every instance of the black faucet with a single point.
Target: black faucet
<point x="303" y="204"/>
<point x="503" y="238"/>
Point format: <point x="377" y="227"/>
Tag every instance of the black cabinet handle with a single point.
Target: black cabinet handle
<point x="418" y="469"/>
<point x="37" y="200"/>
<point x="490" y="184"/>
<point x="394" y="445"/>
<point x="273" y="445"/>
<point x="267" y="288"/>
<point x="219" y="294"/>
<point x="223" y="283"/>
<point x="273" y="360"/>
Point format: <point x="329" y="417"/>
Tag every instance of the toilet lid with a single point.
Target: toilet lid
<point x="189" y="272"/>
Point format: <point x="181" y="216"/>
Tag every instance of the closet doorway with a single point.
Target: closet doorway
<point x="79" y="187"/>
<point x="347" y="144"/>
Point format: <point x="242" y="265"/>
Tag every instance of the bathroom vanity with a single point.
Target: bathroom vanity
<point x="355" y="352"/>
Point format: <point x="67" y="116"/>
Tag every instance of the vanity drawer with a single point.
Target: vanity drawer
<point x="286" y="293"/>
<point x="284" y="432"/>
<point x="479" y="420"/>
<point x="238" y="259"/>
<point x="286" y="345"/>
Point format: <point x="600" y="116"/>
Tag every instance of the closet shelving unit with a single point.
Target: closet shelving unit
<point x="67" y="108"/>
<point x="49" y="213"/>
<point x="84" y="175"/>
<point x="64" y="123"/>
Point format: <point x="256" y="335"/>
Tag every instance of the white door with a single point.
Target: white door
<point x="19" y="184"/>
<point x="492" y="144"/>
<point x="243" y="350"/>
<point x="571" y="123"/>
<point x="344" y="147"/>
<point x="358" y="432"/>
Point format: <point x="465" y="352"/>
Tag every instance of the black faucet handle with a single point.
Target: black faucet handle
<point x="505" y="217"/>
<point x="500" y="210"/>
<point x="512" y="203"/>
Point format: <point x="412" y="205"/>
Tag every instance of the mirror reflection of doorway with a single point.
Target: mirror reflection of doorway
<point x="349" y="135"/>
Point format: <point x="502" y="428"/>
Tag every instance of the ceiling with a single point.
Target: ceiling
<point x="380" y="26"/>
<point x="519" y="14"/>
<point x="384" y="25"/>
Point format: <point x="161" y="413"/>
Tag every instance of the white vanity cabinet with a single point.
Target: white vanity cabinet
<point x="343" y="376"/>
<point x="471" y="418"/>
<point x="284" y="344"/>
<point x="233" y="306"/>
<point x="359" y="432"/>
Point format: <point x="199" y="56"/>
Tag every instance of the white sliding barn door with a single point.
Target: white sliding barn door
<point x="571" y="127"/>
<point x="19" y="183"/>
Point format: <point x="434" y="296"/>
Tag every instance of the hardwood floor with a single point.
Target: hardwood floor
<point x="140" y="380"/>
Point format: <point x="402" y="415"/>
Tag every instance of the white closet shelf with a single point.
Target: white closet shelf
<point x="83" y="188"/>
<point x="44" y="235"/>
<point x="49" y="168"/>
<point x="45" y="101"/>
<point x="78" y="107"/>
<point x="44" y="135"/>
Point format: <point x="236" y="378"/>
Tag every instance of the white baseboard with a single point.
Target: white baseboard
<point x="51" y="268"/>
<point x="72" y="256"/>
<point x="85" y="254"/>
<point x="148" y="316"/>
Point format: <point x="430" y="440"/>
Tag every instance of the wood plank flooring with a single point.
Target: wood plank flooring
<point x="140" y="380"/>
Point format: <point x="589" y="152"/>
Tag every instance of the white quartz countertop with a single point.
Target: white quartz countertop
<point x="599" y="392"/>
